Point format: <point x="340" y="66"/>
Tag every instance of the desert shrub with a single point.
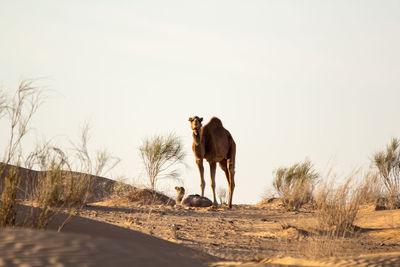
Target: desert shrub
<point x="338" y="207"/>
<point x="295" y="184"/>
<point x="8" y="208"/>
<point x="58" y="186"/>
<point x="160" y="154"/>
<point x="388" y="164"/>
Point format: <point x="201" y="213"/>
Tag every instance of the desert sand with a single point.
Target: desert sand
<point x="122" y="232"/>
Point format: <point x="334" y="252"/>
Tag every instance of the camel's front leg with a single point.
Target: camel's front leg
<point x="213" y="167"/>
<point x="199" y="163"/>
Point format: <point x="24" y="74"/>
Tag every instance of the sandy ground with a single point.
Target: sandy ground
<point x="118" y="232"/>
<point x="254" y="234"/>
<point x="129" y="234"/>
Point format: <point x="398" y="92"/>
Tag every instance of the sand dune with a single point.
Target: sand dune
<point x="40" y="248"/>
<point x="91" y="243"/>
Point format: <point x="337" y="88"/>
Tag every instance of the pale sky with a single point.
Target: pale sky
<point x="289" y="79"/>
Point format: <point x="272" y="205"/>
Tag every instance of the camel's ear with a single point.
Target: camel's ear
<point x="200" y="119"/>
<point x="190" y="119"/>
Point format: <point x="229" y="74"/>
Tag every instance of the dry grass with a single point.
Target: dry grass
<point x="56" y="188"/>
<point x="8" y="209"/>
<point x="338" y="208"/>
<point x="18" y="111"/>
<point x="324" y="246"/>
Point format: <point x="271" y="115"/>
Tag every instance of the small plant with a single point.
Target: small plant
<point x="222" y="195"/>
<point x="295" y="184"/>
<point x="159" y="155"/>
<point x="388" y="165"/>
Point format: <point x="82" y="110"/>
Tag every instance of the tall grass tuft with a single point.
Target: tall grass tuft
<point x="388" y="164"/>
<point x="18" y="111"/>
<point x="295" y="184"/>
<point x="338" y="207"/>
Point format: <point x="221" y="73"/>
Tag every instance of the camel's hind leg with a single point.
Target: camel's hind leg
<point x="231" y="170"/>
<point x="199" y="163"/>
<point x="225" y="167"/>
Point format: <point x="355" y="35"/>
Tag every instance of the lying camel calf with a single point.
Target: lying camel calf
<point x="191" y="200"/>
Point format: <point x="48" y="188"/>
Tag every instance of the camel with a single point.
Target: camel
<point x="215" y="144"/>
<point x="191" y="200"/>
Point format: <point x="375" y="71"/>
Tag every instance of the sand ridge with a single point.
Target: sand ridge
<point x="91" y="243"/>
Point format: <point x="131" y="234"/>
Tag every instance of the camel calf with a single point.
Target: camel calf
<point x="191" y="200"/>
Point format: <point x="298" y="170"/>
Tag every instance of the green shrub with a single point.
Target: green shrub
<point x="159" y="155"/>
<point x="295" y="185"/>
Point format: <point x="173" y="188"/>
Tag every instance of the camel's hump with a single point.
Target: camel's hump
<point x="214" y="121"/>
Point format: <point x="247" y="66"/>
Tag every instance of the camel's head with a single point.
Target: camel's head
<point x="180" y="191"/>
<point x="195" y="123"/>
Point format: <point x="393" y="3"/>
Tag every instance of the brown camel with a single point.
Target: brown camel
<point x="215" y="144"/>
<point x="191" y="200"/>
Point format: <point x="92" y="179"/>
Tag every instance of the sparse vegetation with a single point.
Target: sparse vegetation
<point x="388" y="164"/>
<point x="34" y="198"/>
<point x="56" y="187"/>
<point x="295" y="185"/>
<point x="160" y="154"/>
<point x="18" y="111"/>
<point x="338" y="208"/>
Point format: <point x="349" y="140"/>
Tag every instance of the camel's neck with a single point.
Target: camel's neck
<point x="198" y="145"/>
<point x="196" y="138"/>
